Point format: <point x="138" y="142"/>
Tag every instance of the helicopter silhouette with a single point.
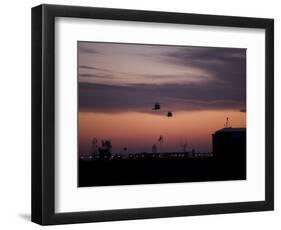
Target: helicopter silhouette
<point x="169" y="114"/>
<point x="156" y="106"/>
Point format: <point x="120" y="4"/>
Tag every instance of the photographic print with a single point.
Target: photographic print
<point x="136" y="113"/>
<point x="150" y="113"/>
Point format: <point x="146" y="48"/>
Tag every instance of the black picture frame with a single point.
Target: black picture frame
<point x="43" y="110"/>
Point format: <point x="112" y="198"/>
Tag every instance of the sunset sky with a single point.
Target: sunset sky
<point x="119" y="84"/>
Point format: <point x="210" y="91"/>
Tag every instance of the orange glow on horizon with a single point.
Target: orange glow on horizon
<point x="139" y="131"/>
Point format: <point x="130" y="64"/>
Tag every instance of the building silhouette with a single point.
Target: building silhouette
<point x="229" y="144"/>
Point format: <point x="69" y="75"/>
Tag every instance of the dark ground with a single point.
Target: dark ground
<point x="151" y="171"/>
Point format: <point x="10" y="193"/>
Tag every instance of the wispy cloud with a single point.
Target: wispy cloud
<point x="96" y="76"/>
<point x="119" y="77"/>
<point x="140" y="98"/>
<point x="84" y="48"/>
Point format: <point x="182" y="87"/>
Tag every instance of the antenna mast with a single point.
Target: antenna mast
<point x="227" y="123"/>
<point x="94" y="146"/>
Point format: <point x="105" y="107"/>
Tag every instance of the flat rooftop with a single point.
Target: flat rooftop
<point x="224" y="130"/>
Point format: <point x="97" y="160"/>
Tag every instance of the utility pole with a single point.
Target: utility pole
<point x="94" y="147"/>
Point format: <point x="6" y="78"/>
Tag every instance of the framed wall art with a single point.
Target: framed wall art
<point x="142" y="114"/>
